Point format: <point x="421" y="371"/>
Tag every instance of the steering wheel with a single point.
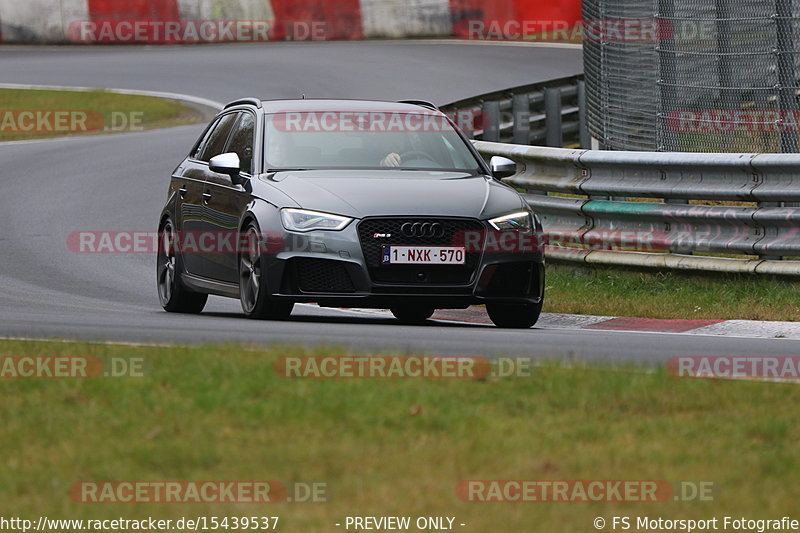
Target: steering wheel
<point x="416" y="154"/>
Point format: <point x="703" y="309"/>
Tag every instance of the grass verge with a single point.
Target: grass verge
<point x="37" y="114"/>
<point x="608" y="291"/>
<point x="389" y="447"/>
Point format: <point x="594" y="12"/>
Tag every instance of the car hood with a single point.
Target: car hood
<point x="366" y="193"/>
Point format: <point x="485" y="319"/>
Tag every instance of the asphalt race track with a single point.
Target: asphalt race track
<point x="118" y="182"/>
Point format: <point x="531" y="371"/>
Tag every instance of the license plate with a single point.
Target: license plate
<point x="424" y="255"/>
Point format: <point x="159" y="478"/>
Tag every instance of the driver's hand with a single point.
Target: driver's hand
<point x="392" y="160"/>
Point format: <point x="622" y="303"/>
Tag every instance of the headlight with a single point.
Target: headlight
<point x="519" y="221"/>
<point x="302" y="220"/>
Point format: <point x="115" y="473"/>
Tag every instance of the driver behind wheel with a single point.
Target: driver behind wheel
<point x="393" y="144"/>
<point x="414" y="149"/>
<point x="392" y="160"/>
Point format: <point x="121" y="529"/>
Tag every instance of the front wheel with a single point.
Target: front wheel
<point x="253" y="293"/>
<point x="412" y="314"/>
<point x="174" y="297"/>
<point x="514" y="316"/>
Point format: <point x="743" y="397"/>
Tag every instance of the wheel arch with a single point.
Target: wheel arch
<point x="265" y="215"/>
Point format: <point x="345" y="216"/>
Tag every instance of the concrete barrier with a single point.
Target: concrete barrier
<point x="406" y="18"/>
<point x="39" y="21"/>
<point x="197" y="21"/>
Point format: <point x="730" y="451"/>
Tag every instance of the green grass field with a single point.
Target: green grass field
<point x="37" y="114"/>
<point x="607" y="291"/>
<point x="389" y="447"/>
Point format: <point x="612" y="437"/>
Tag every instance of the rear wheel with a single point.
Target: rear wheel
<point x="174" y="297"/>
<point x="516" y="316"/>
<point x="412" y="314"/>
<point x="253" y="292"/>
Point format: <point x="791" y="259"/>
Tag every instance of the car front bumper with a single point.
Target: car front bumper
<point x="333" y="270"/>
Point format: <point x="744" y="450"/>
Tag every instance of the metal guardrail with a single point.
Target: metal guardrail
<point x="547" y="114"/>
<point x="584" y="200"/>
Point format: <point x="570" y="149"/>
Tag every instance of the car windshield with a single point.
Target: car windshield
<point x="366" y="140"/>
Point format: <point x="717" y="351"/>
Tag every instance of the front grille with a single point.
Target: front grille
<point x="452" y="235"/>
<point x="322" y="276"/>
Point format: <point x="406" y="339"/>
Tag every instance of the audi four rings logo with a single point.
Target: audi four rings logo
<point x="422" y="229"/>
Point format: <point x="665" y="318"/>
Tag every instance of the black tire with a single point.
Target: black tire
<point x="412" y="314"/>
<point x="174" y="297"/>
<point x="514" y="316"/>
<point x="253" y="292"/>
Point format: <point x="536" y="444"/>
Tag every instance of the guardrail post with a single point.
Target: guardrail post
<point x="468" y="129"/>
<point x="678" y="201"/>
<point x="491" y="121"/>
<point x="583" y="124"/>
<point x="768" y="205"/>
<point x="554" y="134"/>
<point x="521" y="110"/>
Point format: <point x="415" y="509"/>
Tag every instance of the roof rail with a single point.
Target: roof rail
<point x="245" y="101"/>
<point x="421" y="103"/>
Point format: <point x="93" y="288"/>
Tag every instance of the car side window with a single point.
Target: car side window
<point x="241" y="142"/>
<point x="214" y="144"/>
<point x="201" y="142"/>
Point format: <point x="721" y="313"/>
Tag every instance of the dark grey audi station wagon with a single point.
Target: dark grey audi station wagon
<point x="347" y="203"/>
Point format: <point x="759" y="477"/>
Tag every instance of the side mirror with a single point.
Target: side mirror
<point x="502" y="167"/>
<point x="226" y="164"/>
